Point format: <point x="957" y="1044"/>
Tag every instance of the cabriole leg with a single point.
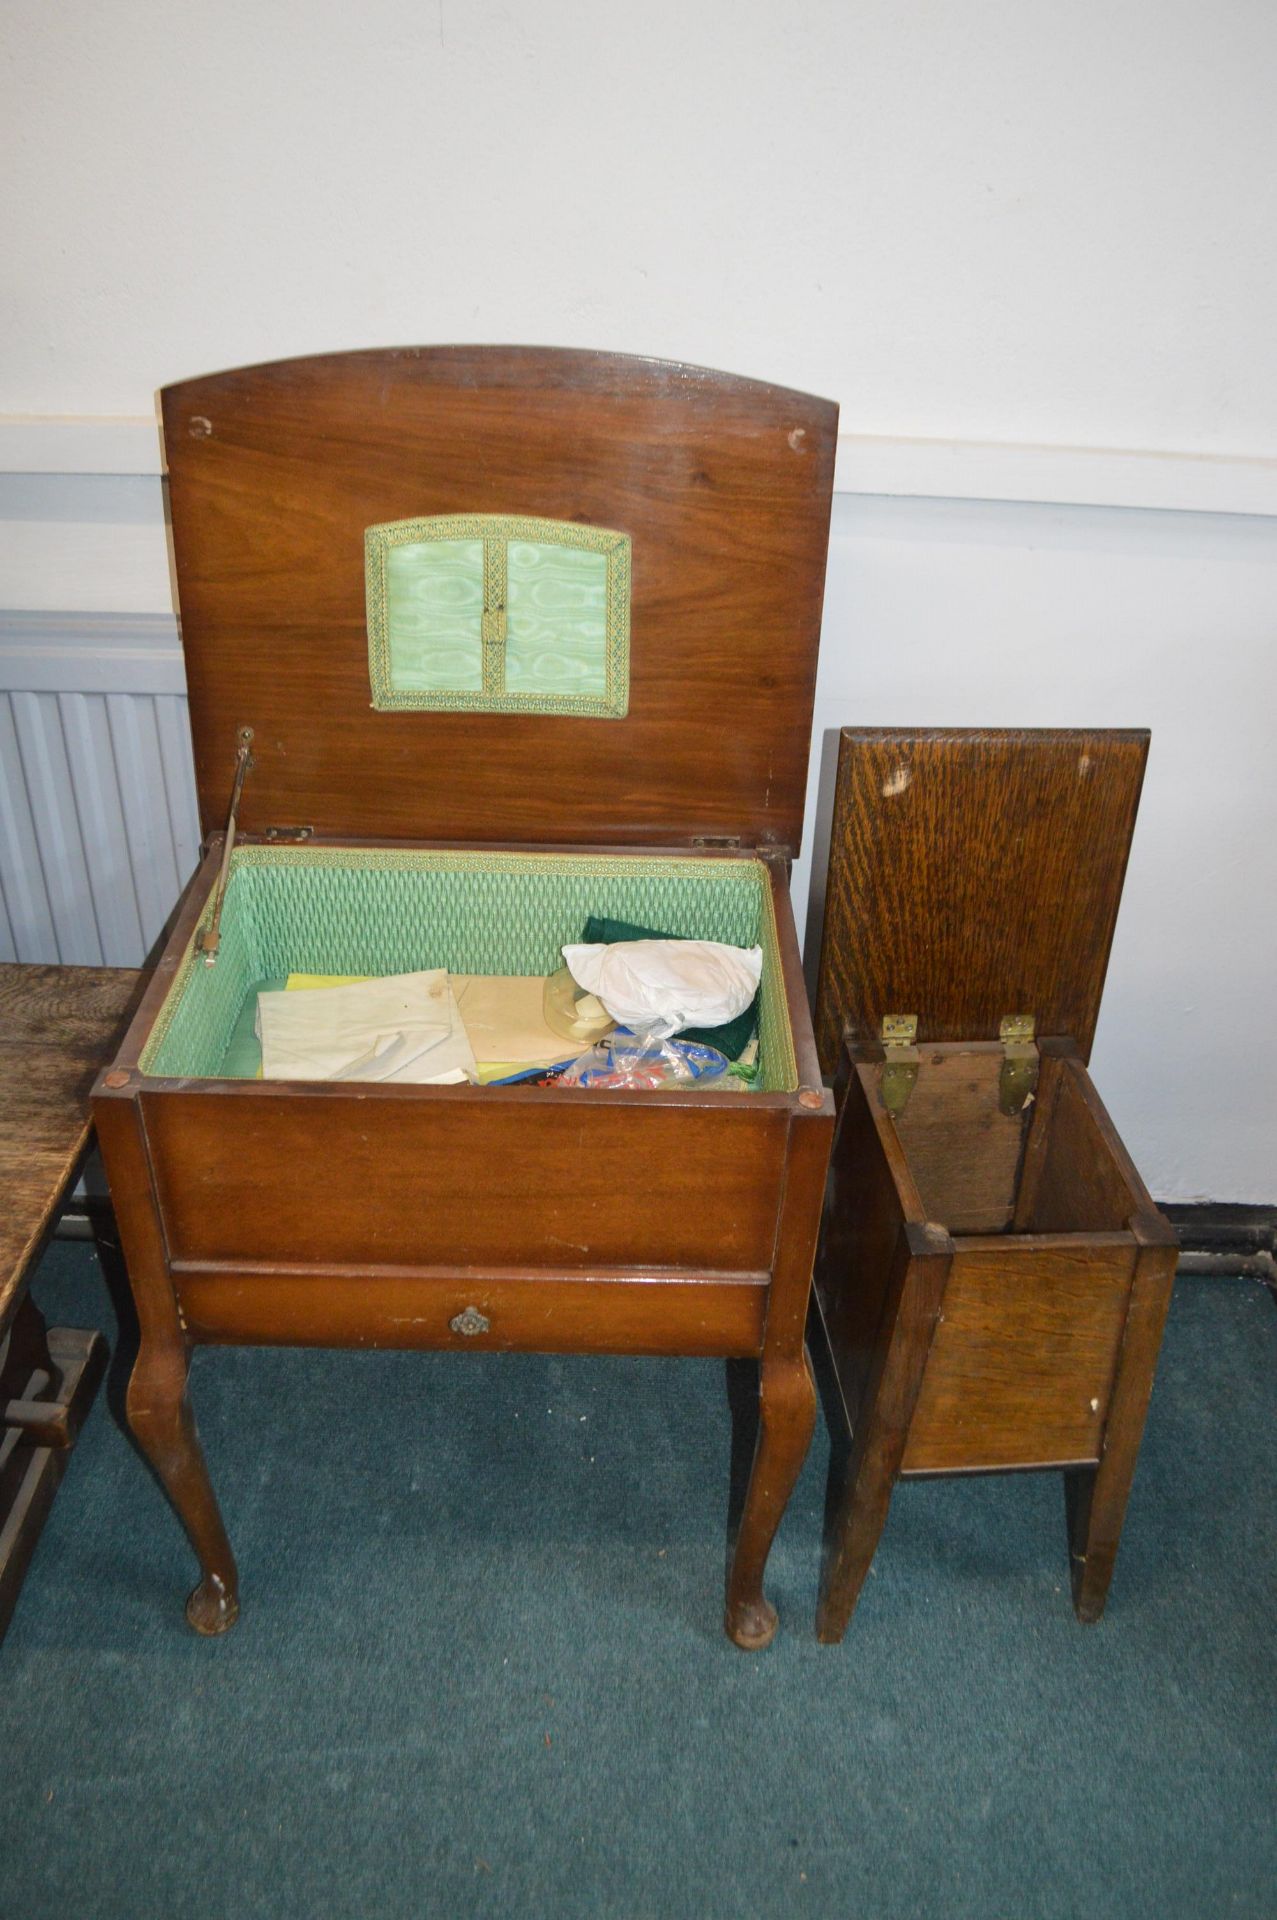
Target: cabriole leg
<point x="786" y="1389"/>
<point x="159" y="1413"/>
<point x="163" y="1425"/>
<point x="786" y="1419"/>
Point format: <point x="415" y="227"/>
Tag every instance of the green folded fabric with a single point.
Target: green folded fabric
<point x="731" y="1038"/>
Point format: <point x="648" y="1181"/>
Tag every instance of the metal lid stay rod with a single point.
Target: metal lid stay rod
<point x="208" y="938"/>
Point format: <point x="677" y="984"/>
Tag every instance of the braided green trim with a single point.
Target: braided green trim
<point x="495" y="590"/>
<point x="573" y="866"/>
<point x="497" y="531"/>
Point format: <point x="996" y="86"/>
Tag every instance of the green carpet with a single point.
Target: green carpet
<point x="480" y="1669"/>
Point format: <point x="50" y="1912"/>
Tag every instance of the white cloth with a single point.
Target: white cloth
<point x="662" y="986"/>
<point x="405" y="1027"/>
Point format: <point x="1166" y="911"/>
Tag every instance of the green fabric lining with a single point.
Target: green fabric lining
<point x="386" y="910"/>
<point x="731" y="1038"/>
<point x="500" y="614"/>
<point x="434" y="616"/>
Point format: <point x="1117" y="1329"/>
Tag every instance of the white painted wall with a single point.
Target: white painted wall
<point x="1027" y="246"/>
<point x="994" y="220"/>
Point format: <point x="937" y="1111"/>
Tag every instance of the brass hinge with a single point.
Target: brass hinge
<point x="736" y="843"/>
<point x="290" y="833"/>
<point x="899" y="1033"/>
<point x="1018" y="1080"/>
<point x="208" y="938"/>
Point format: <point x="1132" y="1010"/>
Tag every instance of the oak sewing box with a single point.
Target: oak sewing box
<point x="993" y="1277"/>
<point x="479" y="642"/>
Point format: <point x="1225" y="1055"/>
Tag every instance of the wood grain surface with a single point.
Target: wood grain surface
<point x="1081" y="1185"/>
<point x="724" y="485"/>
<point x="1022" y="1363"/>
<point x="57" y="1027"/>
<point x="484" y="1182"/>
<point x="963" y="1151"/>
<point x="974" y="874"/>
<point x="526" y="1311"/>
<point x="870" y="1197"/>
<point x="1096" y="1500"/>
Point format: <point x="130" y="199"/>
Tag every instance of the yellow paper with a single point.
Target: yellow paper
<point x="299" y="982"/>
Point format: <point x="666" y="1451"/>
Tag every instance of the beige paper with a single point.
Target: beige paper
<point x="504" y="1019"/>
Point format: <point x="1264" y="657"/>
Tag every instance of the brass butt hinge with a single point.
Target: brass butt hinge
<point x="899" y="1035"/>
<point x="1018" y="1080"/>
<point x="736" y="843"/>
<point x="208" y="938"/>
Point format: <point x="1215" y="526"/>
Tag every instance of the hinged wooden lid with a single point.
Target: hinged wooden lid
<point x="974" y="874"/>
<point x="722" y="484"/>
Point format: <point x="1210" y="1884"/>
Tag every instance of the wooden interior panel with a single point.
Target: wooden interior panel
<point x="723" y="484"/>
<point x="1079" y="1186"/>
<point x="1023" y="1360"/>
<point x="447" y="1178"/>
<point x="604" y="1312"/>
<point x="963" y="1151"/>
<point x="974" y="874"/>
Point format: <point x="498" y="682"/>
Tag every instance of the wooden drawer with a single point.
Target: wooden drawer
<point x="600" y="1310"/>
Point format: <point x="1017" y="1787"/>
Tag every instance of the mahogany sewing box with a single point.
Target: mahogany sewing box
<point x="480" y="642"/>
<point x="993" y="1277"/>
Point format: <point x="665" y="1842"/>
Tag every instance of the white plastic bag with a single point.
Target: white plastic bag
<point x="658" y="987"/>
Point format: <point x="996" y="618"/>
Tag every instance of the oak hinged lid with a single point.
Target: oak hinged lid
<point x="684" y="512"/>
<point x="975" y="874"/>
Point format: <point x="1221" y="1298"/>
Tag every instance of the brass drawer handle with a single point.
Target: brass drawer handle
<point x="470" y="1322"/>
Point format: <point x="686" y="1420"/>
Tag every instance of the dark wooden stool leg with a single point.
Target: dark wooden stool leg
<point x="48" y="1377"/>
<point x="26" y="1353"/>
<point x="1096" y="1497"/>
<point x="787" y="1419"/>
<point x="861" y="1490"/>
<point x="163" y="1425"/>
<point x="786" y="1389"/>
<point x="159" y="1412"/>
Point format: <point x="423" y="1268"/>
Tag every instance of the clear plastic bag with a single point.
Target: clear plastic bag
<point x="647" y="1060"/>
<point x="572" y="1012"/>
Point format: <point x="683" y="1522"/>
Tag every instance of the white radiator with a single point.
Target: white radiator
<point x="98" y="827"/>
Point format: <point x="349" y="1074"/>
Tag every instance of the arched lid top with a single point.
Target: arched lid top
<point x="643" y="676"/>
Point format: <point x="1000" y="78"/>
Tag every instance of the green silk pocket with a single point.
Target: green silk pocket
<point x="491" y="613"/>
